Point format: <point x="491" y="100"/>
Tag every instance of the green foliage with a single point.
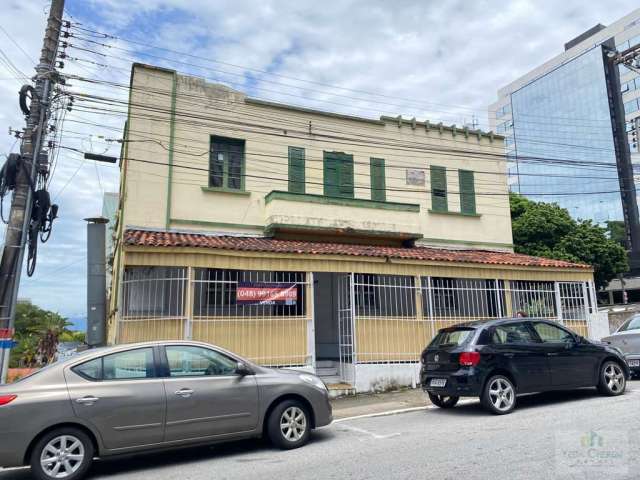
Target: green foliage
<point x="547" y="230"/>
<point x="38" y="333"/>
<point x="617" y="232"/>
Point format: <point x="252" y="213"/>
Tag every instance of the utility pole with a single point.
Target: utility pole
<point x="30" y="160"/>
<point x="621" y="145"/>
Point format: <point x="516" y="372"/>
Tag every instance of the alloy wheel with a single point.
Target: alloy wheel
<point x="293" y="424"/>
<point x="614" y="377"/>
<point x="501" y="394"/>
<point x="62" y="456"/>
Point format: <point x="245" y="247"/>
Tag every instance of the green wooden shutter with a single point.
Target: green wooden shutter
<point x="296" y="170"/>
<point x="331" y="180"/>
<point x="378" y="182"/>
<point x="345" y="175"/>
<point x="467" y="191"/>
<point x="438" y="189"/>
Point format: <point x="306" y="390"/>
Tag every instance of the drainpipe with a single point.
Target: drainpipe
<point x="96" y="281"/>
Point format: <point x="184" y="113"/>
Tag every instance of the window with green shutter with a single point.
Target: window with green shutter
<point x="438" y="189"/>
<point x="467" y="192"/>
<point x="378" y="182"/>
<point x="296" y="170"/>
<point x="338" y="174"/>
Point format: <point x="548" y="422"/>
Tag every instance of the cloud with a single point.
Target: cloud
<point x="435" y="60"/>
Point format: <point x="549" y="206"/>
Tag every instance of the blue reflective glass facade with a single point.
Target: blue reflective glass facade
<point x="560" y="118"/>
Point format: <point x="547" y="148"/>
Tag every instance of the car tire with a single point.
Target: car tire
<point x="443" y="401"/>
<point x="289" y="425"/>
<point x="612" y="380"/>
<point x="73" y="459"/>
<point x="499" y="395"/>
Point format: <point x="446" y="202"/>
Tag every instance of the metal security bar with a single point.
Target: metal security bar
<point x="346" y="327"/>
<point x="395" y="317"/>
<point x="153" y="304"/>
<point x="174" y="303"/>
<point x="381" y="318"/>
<point x="268" y="333"/>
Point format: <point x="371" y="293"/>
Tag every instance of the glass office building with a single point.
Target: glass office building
<point x="561" y="137"/>
<point x="557" y="124"/>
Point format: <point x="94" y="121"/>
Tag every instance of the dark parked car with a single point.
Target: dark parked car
<point x="497" y="360"/>
<point x="151" y="396"/>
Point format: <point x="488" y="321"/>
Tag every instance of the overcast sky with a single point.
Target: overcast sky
<point x="443" y="61"/>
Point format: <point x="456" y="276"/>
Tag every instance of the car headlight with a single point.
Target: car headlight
<point x="313" y="380"/>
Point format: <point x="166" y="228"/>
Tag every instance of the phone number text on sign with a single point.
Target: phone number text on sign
<point x="264" y="293"/>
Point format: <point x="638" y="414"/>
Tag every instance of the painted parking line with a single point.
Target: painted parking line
<point x="369" y="433"/>
<point x="382" y="414"/>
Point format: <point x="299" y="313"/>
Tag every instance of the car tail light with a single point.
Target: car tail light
<point x="4" y="399"/>
<point x="469" y="359"/>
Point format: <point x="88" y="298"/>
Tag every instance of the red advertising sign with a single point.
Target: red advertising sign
<point x="266" y="293"/>
<point x="6" y="333"/>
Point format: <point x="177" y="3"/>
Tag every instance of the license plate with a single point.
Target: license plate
<point x="634" y="363"/>
<point x="438" y="382"/>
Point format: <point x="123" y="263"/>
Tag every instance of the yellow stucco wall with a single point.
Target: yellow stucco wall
<point x="202" y="110"/>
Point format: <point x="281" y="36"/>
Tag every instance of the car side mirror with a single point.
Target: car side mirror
<point x="243" y="370"/>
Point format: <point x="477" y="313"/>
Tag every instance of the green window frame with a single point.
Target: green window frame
<point x="226" y="163"/>
<point x="296" y="170"/>
<point x="338" y="175"/>
<point x="378" y="180"/>
<point x="467" y="192"/>
<point x="439" y="202"/>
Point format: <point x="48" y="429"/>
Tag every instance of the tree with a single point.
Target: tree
<point x="617" y="231"/>
<point x="37" y="332"/>
<point x="547" y="230"/>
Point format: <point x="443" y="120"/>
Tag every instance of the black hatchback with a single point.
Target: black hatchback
<point x="497" y="360"/>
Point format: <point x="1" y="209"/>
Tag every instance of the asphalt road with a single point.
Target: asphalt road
<point x="561" y="435"/>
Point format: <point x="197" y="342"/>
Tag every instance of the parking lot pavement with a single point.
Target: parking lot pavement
<point x="548" y="436"/>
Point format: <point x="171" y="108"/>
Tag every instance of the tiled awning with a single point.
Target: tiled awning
<point x="146" y="238"/>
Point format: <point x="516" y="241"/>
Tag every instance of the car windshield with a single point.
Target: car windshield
<point x="632" y="324"/>
<point x="451" y="337"/>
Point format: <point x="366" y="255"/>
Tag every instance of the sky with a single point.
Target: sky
<point x="441" y="61"/>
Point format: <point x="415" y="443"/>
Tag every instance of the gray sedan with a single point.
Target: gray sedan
<point x="627" y="339"/>
<point x="150" y="396"/>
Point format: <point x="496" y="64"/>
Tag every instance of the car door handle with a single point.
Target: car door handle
<point x="184" y="392"/>
<point x="88" y="400"/>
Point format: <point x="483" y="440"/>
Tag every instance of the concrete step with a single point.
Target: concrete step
<point x="326" y="364"/>
<point x="337" y="390"/>
<point x="326" y="371"/>
<point x="331" y="379"/>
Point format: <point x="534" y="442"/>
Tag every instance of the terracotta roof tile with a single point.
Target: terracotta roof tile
<point x="263" y="244"/>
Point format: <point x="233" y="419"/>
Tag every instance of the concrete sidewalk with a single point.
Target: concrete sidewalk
<point x="372" y="403"/>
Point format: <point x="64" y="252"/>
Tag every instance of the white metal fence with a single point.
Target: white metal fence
<point x="201" y="304"/>
<point x="394" y="317"/>
<point x="381" y="318"/>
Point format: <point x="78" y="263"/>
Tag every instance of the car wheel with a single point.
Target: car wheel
<point x="499" y="395"/>
<point x="612" y="379"/>
<point x="65" y="453"/>
<point x="289" y="425"/>
<point x="443" y="401"/>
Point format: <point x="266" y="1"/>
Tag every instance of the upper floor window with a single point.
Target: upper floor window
<point x="467" y="191"/>
<point x="502" y="111"/>
<point x="438" y="189"/>
<point x="378" y="180"/>
<point x="338" y="174"/>
<point x="226" y="163"/>
<point x="296" y="170"/>
<point x="631" y="107"/>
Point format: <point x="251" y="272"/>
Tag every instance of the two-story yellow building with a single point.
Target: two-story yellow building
<point x="298" y="237"/>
